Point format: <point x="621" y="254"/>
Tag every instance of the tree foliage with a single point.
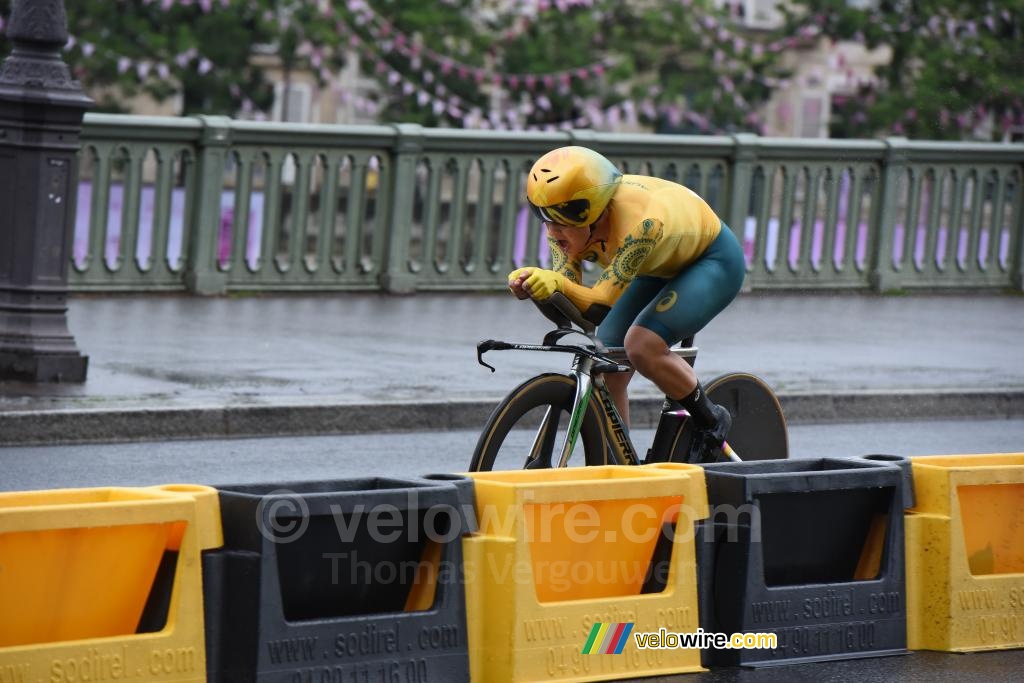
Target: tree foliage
<point x="199" y="49"/>
<point x="678" y="65"/>
<point x="955" y="69"/>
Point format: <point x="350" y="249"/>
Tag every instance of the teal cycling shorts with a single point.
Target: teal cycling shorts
<point x="677" y="308"/>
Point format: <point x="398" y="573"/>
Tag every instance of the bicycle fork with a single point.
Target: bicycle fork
<point x="581" y="370"/>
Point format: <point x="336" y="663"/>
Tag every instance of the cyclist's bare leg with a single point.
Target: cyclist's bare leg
<point x="650" y="355"/>
<point x="617" y="384"/>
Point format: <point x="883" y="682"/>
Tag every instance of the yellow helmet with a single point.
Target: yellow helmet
<point x="571" y="186"/>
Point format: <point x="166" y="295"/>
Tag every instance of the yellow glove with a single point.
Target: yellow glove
<point x="543" y="283"/>
<point x="516" y="279"/>
<point x="517" y="273"/>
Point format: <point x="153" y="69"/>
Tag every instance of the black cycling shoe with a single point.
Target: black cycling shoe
<point x="706" y="445"/>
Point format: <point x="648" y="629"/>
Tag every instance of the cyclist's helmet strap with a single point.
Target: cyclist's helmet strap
<point x="571" y="186"/>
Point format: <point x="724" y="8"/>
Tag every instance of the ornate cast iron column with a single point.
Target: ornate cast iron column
<point x="41" y="112"/>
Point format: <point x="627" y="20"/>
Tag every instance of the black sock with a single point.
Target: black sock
<point x="699" y="407"/>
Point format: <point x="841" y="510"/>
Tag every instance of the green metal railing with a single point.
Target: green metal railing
<point x="211" y="205"/>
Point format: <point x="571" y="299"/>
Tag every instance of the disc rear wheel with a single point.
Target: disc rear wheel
<point x="758" y="426"/>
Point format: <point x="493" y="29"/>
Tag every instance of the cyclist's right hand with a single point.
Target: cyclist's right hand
<point x="515" y="282"/>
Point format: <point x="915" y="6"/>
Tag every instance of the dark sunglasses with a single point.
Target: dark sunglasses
<point x="572" y="212"/>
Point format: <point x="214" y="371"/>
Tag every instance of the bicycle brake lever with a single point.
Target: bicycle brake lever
<point x="490" y="345"/>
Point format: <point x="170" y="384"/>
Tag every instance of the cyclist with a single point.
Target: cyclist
<point x="670" y="266"/>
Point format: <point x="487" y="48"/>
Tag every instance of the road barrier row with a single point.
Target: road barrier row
<point x="514" y="576"/>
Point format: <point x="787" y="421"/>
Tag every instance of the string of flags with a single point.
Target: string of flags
<point x="428" y="68"/>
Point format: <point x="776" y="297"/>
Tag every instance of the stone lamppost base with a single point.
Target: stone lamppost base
<point x="41" y="110"/>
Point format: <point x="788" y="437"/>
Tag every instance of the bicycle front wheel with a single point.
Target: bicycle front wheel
<point x="528" y="428"/>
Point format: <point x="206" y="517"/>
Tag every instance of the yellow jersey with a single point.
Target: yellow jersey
<point x="657" y="228"/>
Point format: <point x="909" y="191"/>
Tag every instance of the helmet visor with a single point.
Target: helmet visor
<point x="573" y="212"/>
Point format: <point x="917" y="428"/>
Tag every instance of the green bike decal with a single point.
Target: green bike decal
<point x="576" y="420"/>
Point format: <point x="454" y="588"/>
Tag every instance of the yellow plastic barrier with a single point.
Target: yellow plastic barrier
<point x="965" y="553"/>
<point x="78" y="574"/>
<point x="562" y="550"/>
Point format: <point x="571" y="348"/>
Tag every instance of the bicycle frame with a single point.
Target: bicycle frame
<point x="588" y="369"/>
<point x="586" y="385"/>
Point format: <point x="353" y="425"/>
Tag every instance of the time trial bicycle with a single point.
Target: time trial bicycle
<point x="527" y="425"/>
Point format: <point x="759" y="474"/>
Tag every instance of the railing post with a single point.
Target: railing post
<point x="744" y="159"/>
<point x="201" y="274"/>
<point x="883" y="275"/>
<point x="395" y="277"/>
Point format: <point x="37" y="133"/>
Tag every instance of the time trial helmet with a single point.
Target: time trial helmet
<point x="571" y="186"/>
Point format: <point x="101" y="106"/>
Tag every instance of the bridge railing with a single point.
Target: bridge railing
<point x="210" y="205"/>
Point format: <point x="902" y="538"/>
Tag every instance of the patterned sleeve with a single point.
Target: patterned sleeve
<point x="572" y="269"/>
<point x="625" y="266"/>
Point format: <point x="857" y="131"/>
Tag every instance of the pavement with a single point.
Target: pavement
<point x="183" y="367"/>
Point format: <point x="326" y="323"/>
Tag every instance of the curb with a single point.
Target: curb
<point x="27" y="428"/>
